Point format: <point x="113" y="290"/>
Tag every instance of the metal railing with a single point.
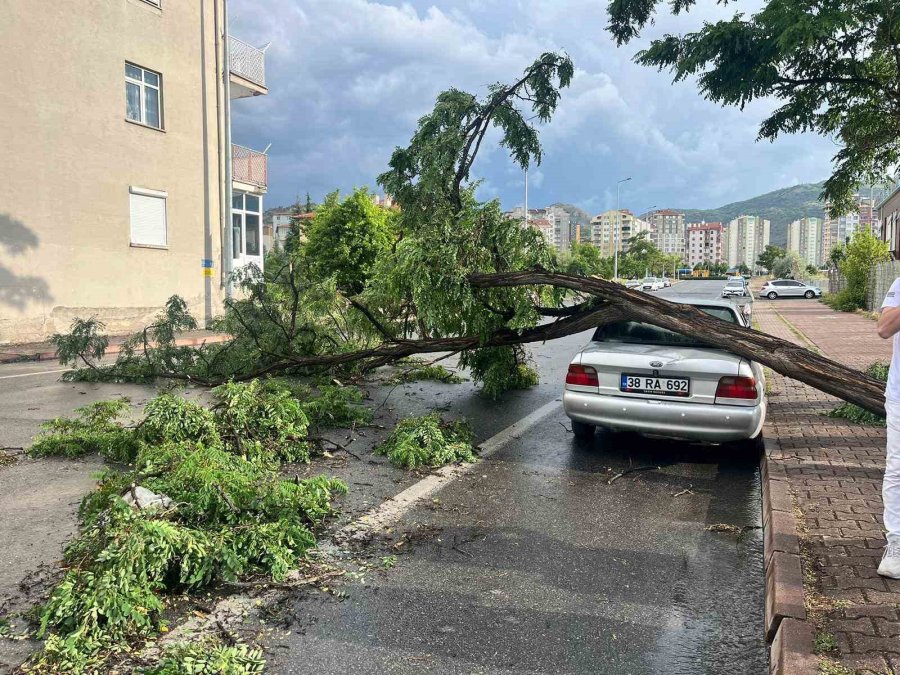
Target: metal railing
<point x="247" y="61"/>
<point x="249" y="166"/>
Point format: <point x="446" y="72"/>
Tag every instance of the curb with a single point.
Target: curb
<point x="790" y="635"/>
<point x="16" y="357"/>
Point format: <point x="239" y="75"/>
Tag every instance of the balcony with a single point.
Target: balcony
<point x="248" y="69"/>
<point x="250" y="169"/>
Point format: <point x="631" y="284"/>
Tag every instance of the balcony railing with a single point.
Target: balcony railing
<point x="249" y="166"/>
<point x="247" y="61"/>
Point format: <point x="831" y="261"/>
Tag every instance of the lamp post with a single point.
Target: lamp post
<point x="616" y="233"/>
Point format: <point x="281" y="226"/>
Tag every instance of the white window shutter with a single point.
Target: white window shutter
<point x="148" y="217"/>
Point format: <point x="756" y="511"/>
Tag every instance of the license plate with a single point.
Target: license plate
<point x="653" y="384"/>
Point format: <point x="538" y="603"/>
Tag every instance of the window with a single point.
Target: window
<point x="246" y="221"/>
<point x="143" y="96"/>
<point x="633" y="332"/>
<point x="148" y="217"/>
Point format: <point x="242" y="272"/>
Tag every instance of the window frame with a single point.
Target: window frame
<point x="156" y="194"/>
<point x="143" y="85"/>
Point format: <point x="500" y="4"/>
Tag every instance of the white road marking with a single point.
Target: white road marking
<point x="42" y="372"/>
<point x="392" y="509"/>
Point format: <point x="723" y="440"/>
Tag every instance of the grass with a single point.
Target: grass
<point x="825" y="643"/>
<point x="852" y="412"/>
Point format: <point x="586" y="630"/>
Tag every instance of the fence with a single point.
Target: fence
<point x="837" y="282"/>
<point x="249" y="166"/>
<point x="881" y="277"/>
<point x="247" y="61"/>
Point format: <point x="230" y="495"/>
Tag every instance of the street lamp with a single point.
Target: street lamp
<point x="616" y="233"/>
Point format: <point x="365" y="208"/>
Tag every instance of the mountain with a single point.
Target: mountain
<point x="781" y="207"/>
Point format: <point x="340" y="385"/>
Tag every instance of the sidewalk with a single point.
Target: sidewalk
<point x="44" y="351"/>
<point x="833" y="469"/>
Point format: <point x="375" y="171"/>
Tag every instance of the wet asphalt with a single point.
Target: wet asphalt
<point x="542" y="560"/>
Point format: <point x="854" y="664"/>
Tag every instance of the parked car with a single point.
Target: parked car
<point x="789" y="288"/>
<point x="651" y="284"/>
<point x="667" y="282"/>
<point x="734" y="287"/>
<point x="636" y="377"/>
<point x="633" y="283"/>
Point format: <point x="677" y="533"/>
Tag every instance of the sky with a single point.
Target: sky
<point x="348" y="80"/>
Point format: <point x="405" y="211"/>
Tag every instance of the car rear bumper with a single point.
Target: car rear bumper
<point x="673" y="419"/>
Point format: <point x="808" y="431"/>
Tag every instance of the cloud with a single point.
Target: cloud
<point x="348" y="80"/>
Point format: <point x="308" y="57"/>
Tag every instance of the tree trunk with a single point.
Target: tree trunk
<point x="779" y="355"/>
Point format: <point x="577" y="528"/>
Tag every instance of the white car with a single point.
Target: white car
<point x="651" y="284"/>
<point x="637" y="377"/>
<point x="735" y="287"/>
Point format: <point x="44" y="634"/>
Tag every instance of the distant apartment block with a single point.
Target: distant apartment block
<point x="558" y="230"/>
<point x="745" y="238"/>
<point x="667" y="230"/>
<point x="705" y="243"/>
<point x="614" y="229"/>
<point x="805" y="238"/>
<point x="121" y="186"/>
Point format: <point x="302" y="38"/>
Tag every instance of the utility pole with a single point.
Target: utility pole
<point x="616" y="232"/>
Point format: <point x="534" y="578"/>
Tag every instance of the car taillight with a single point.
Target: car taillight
<point x="737" y="387"/>
<point x="582" y="375"/>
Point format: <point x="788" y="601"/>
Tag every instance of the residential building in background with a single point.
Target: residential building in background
<point x="745" y="238"/>
<point x="115" y="196"/>
<point x="559" y="231"/>
<point x="603" y="230"/>
<point x="889" y="219"/>
<point x="839" y="229"/>
<point x="705" y="243"/>
<point x="667" y="230"/>
<point x="805" y="238"/>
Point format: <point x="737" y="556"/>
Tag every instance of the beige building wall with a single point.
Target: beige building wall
<point x="71" y="156"/>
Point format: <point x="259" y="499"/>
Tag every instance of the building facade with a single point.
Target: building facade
<point x="615" y="229"/>
<point x="554" y="223"/>
<point x="745" y="238"/>
<point x="705" y="244"/>
<point x="116" y="113"/>
<point x="667" y="230"/>
<point x="805" y="238"/>
<point x="889" y="219"/>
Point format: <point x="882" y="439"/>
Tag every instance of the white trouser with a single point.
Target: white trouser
<point x="890" y="491"/>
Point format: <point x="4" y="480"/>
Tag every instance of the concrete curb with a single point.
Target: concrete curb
<point x="790" y="635"/>
<point x="114" y="348"/>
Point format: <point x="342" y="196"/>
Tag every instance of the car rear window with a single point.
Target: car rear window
<point x="735" y="283"/>
<point x="636" y="333"/>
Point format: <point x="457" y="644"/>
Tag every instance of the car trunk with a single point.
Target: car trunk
<point x="702" y="366"/>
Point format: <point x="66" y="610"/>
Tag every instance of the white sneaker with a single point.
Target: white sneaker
<point x="890" y="562"/>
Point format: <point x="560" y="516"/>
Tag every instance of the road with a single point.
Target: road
<point x="531" y="563"/>
<point x="535" y="563"/>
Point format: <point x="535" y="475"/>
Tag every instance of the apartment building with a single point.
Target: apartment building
<point x="121" y="186"/>
<point x="889" y="219"/>
<point x="667" y="230"/>
<point x="704" y="244"/>
<point x="614" y="229"/>
<point x="805" y="238"/>
<point x="558" y="229"/>
<point x="745" y="238"/>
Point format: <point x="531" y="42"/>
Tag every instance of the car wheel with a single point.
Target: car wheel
<point x="582" y="430"/>
<point x="772" y="295"/>
<point x="809" y="295"/>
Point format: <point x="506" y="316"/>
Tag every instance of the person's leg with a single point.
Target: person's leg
<point x="890" y="494"/>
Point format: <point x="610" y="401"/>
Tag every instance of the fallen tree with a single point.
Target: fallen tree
<point x="458" y="276"/>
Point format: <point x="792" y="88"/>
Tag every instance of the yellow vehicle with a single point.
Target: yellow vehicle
<point x="699" y="274"/>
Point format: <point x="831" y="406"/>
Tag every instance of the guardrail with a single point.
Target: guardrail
<point x="249" y="166"/>
<point x="247" y="61"/>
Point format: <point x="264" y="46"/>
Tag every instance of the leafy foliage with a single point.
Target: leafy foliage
<point x="767" y="258"/>
<point x="231" y="515"/>
<point x="426" y="371"/>
<point x="859" y="256"/>
<point x="787" y="266"/>
<point x="345" y="238"/>
<point x="854" y="413"/>
<point x="585" y="260"/>
<point x="833" y="65"/>
<point x="208" y="657"/>
<point x="93" y="429"/>
<point x="428" y="441"/>
<point x="84" y="344"/>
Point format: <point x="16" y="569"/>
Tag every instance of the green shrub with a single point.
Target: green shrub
<point x="93" y="429"/>
<point x="428" y="441"/>
<point x="208" y="657"/>
<point x="852" y="412"/>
